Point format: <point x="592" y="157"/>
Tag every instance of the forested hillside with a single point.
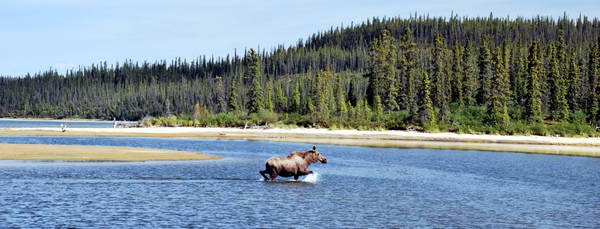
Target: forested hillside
<point x="482" y="75"/>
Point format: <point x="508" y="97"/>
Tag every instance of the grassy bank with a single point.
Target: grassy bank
<point x="38" y="152"/>
<point x="461" y="119"/>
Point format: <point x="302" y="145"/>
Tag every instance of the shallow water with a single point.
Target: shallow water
<point x="359" y="187"/>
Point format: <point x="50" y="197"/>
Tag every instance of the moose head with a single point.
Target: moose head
<point x="317" y="155"/>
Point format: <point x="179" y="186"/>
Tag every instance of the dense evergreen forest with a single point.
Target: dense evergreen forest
<point x="471" y="75"/>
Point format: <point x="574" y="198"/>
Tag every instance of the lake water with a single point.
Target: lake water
<point x="359" y="187"/>
<point x="55" y="123"/>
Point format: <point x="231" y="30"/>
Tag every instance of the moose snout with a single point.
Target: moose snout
<point x="324" y="161"/>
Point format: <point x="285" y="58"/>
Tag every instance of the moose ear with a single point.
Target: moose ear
<point x="314" y="147"/>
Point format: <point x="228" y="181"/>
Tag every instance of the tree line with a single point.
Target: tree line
<point x="458" y="74"/>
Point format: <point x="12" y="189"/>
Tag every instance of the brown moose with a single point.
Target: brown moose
<point x="296" y="164"/>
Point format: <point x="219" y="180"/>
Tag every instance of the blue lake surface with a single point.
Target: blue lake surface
<point x="359" y="187"/>
<point x="40" y="123"/>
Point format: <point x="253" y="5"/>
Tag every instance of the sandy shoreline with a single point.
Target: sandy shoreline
<point x="40" y="152"/>
<point x="401" y="139"/>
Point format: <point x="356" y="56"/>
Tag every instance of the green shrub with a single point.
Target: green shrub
<point x="467" y="119"/>
<point x="518" y="127"/>
<point x="268" y="117"/>
<point x="568" y="129"/>
<point x="234" y="119"/>
<point x="396" y="120"/>
<point x="539" y="129"/>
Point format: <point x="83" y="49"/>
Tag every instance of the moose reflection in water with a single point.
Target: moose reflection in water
<point x="296" y="164"/>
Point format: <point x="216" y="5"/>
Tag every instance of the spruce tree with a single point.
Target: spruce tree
<point x="378" y="108"/>
<point x="257" y="99"/>
<point x="407" y="71"/>
<point x="498" y="98"/>
<point x="232" y="102"/>
<point x="310" y="106"/>
<point x="220" y="98"/>
<point x="252" y="66"/>
<point x="428" y="117"/>
<point x="280" y="100"/>
<point x="592" y="67"/>
<point x="296" y="105"/>
<point x="440" y="82"/>
<point x="391" y="100"/>
<point x="518" y="81"/>
<point x="559" y="105"/>
<point x="506" y="61"/>
<point x="485" y="71"/>
<point x="321" y="93"/>
<point x="573" y="81"/>
<point x="469" y="84"/>
<point x="382" y="78"/>
<point x="533" y="102"/>
<point x="254" y="73"/>
<point x="269" y="106"/>
<point x="342" y="107"/>
<point x="352" y="94"/>
<point x="561" y="53"/>
<point x="458" y="74"/>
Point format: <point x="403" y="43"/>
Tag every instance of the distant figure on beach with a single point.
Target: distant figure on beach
<point x="63" y="127"/>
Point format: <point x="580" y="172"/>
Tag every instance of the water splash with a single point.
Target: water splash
<point x="311" y="178"/>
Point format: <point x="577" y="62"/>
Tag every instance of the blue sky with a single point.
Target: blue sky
<point x="37" y="35"/>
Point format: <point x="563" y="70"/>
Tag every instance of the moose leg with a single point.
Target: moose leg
<point x="272" y="173"/>
<point x="273" y="176"/>
<point x="263" y="174"/>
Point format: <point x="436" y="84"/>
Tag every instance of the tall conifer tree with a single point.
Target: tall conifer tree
<point x="485" y="71"/>
<point x="469" y="84"/>
<point x="440" y="78"/>
<point x="497" y="102"/>
<point x="254" y="73"/>
<point x="383" y="80"/>
<point x="408" y="63"/>
<point x="281" y="102"/>
<point x="257" y="99"/>
<point x="220" y="98"/>
<point x="559" y="105"/>
<point x="269" y="95"/>
<point x="296" y="105"/>
<point x="340" y="97"/>
<point x="573" y="81"/>
<point x="233" y="103"/>
<point x="533" y="102"/>
<point x="458" y="74"/>
<point x="428" y="116"/>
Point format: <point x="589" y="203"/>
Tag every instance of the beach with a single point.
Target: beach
<point x="401" y="139"/>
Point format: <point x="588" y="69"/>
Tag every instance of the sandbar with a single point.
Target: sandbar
<point x="42" y="152"/>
